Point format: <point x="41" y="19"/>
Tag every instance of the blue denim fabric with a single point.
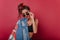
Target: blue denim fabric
<point x="22" y="31"/>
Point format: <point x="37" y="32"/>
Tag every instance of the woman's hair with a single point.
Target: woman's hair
<point x="22" y="7"/>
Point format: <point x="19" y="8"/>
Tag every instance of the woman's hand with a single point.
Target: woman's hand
<point x="31" y="15"/>
<point x="13" y="32"/>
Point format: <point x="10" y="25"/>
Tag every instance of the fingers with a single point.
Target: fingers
<point x="31" y="13"/>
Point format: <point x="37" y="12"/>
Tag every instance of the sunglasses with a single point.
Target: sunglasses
<point x="25" y="14"/>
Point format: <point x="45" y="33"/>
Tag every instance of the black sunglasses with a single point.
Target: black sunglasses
<point x="26" y="14"/>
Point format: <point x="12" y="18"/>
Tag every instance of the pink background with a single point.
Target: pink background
<point x="47" y="12"/>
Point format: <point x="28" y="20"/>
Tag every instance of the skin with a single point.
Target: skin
<point x="30" y="21"/>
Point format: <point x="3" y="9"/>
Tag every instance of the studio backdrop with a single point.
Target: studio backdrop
<point x="46" y="11"/>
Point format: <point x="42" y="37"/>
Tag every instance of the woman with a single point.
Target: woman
<point x="24" y="11"/>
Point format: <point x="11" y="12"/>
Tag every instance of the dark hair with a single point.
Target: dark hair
<point x="22" y="7"/>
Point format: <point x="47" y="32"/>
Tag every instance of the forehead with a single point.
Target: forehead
<point x="24" y="10"/>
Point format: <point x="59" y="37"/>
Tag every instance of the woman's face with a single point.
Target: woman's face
<point x="24" y="13"/>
